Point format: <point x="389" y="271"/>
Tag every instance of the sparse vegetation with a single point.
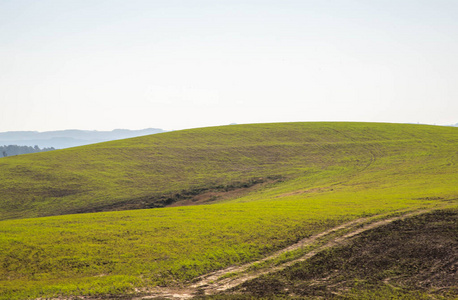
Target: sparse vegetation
<point x="414" y="258"/>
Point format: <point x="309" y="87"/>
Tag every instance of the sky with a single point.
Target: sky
<point x="102" y="65"/>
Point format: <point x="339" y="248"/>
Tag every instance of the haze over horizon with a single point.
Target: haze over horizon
<point x="102" y="65"/>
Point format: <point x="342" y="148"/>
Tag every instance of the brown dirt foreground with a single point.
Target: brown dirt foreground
<point x="305" y="249"/>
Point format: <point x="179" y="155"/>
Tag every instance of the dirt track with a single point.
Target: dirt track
<point x="228" y="278"/>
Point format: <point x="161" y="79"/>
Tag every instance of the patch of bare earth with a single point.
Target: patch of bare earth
<point x="221" y="194"/>
<point x="229" y="278"/>
<point x="192" y="196"/>
<point x="408" y="258"/>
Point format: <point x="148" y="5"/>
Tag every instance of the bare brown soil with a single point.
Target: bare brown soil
<point x="195" y="196"/>
<point x="229" y="278"/>
<point x="214" y="195"/>
<point x="411" y="258"/>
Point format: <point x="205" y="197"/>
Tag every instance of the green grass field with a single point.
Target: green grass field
<point x="309" y="177"/>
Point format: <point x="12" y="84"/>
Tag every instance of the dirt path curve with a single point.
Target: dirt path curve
<point x="233" y="276"/>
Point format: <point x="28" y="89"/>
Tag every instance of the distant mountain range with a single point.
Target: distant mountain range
<point x="69" y="138"/>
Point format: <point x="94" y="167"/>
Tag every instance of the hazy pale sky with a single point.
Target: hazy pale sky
<point x="170" y="64"/>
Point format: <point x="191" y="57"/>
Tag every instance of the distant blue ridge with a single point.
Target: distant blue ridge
<point x="69" y="138"/>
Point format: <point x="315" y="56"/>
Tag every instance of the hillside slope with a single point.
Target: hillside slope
<point x="150" y="171"/>
<point x="270" y="186"/>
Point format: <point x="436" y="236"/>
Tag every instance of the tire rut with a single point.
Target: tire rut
<point x="215" y="282"/>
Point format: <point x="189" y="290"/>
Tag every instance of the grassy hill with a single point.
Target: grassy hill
<point x="269" y="186"/>
<point x="150" y="171"/>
